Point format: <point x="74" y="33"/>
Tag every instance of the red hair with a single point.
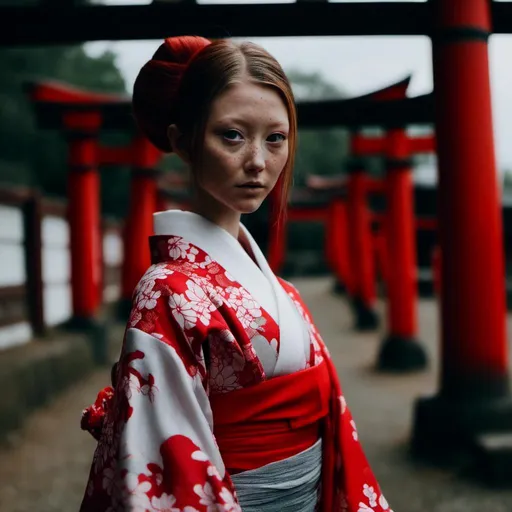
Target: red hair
<point x="185" y="75"/>
<point x="156" y="87"/>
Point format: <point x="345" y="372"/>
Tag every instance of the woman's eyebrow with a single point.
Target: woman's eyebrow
<point x="245" y="122"/>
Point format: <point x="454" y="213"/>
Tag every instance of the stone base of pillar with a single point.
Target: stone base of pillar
<point x="401" y="354"/>
<point x="339" y="288"/>
<point x="366" y="319"/>
<point x="476" y="434"/>
<point x="493" y="458"/>
<point x="97" y="332"/>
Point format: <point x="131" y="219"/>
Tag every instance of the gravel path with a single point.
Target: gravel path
<point x="44" y="467"/>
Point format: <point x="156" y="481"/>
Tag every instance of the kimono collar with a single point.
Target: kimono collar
<point x="223" y="248"/>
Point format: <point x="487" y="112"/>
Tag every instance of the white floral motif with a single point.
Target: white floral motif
<point x="182" y="311"/>
<point x="370" y="493"/>
<point x="364" y="508"/>
<point x="234" y="296"/>
<point x="192" y="253"/>
<point x="213" y="471"/>
<point x="343" y="404"/>
<point x="199" y="455"/>
<point x="252" y="307"/>
<point x="177" y="248"/>
<point x="153" y="273"/>
<point x="135" y="317"/>
<point x="354" y="432"/>
<point x="230" y="504"/>
<point x="203" y="264"/>
<point x="164" y="503"/>
<point x="207" y="496"/>
<point x="247" y="309"/>
<point x="383" y="503"/>
<point x="200" y="302"/>
<point x="147" y="297"/>
<point x="229" y="276"/>
<point x="136" y="496"/>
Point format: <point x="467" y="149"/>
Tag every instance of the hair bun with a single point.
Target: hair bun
<point x="156" y="87"/>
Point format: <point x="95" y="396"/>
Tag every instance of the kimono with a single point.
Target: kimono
<point x="222" y="370"/>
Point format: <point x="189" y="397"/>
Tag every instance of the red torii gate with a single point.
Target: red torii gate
<point x="80" y="116"/>
<point x="400" y="350"/>
<point x="474" y="395"/>
<point x="352" y="267"/>
<point x="359" y="222"/>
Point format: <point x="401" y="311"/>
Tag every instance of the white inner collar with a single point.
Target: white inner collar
<point x="213" y="240"/>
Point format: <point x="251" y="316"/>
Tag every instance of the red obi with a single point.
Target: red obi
<point x="273" y="420"/>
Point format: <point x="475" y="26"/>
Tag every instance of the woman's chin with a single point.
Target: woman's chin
<point x="245" y="207"/>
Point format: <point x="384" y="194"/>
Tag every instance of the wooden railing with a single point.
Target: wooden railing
<point x="15" y="313"/>
<point x="35" y="265"/>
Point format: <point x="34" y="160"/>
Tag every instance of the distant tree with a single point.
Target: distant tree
<point x="29" y="155"/>
<point x="507" y="179"/>
<point x="320" y="151"/>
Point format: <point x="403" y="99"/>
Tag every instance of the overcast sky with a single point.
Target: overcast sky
<point x="357" y="65"/>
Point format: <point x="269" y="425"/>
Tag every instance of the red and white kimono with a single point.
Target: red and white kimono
<point x="222" y="370"/>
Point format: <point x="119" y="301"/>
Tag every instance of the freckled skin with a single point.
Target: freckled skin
<point x="246" y="140"/>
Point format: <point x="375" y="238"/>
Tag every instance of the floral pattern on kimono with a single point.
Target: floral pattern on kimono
<point x="189" y="336"/>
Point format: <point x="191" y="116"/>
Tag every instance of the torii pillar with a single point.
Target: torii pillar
<point x="336" y="244"/>
<point x="139" y="224"/>
<point x="362" y="262"/>
<point x="401" y="350"/>
<point x="143" y="157"/>
<point x="82" y="131"/>
<point x="474" y="395"/>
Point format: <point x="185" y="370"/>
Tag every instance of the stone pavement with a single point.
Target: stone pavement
<point x="45" y="466"/>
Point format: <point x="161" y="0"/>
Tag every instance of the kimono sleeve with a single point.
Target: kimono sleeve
<point x="157" y="451"/>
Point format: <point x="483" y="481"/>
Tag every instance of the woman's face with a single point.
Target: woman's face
<point x="245" y="147"/>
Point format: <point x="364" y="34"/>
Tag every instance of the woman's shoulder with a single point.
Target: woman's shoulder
<point x="289" y="288"/>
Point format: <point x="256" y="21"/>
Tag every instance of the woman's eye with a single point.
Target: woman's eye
<point x="276" y="137"/>
<point x="232" y="135"/>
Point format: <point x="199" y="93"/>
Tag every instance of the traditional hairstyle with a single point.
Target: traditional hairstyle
<point x="179" y="84"/>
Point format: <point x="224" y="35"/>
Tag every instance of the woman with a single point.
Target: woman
<point x="226" y="398"/>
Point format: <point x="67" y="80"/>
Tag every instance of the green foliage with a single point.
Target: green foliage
<point x="28" y="155"/>
<point x="320" y="151"/>
<point x="507" y="180"/>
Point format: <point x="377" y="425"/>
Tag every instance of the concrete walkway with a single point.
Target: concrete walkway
<point x="45" y="467"/>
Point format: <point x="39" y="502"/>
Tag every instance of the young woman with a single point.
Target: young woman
<point x="225" y="397"/>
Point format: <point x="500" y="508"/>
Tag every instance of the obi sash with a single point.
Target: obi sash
<point x="273" y="420"/>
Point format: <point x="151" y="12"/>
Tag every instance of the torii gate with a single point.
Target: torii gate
<point x="81" y="115"/>
<point x="474" y="395"/>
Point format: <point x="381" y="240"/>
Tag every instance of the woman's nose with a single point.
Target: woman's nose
<point x="255" y="161"/>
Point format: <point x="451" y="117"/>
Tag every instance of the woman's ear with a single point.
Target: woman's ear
<point x="176" y="139"/>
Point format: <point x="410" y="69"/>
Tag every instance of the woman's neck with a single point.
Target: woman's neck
<point x="216" y="212"/>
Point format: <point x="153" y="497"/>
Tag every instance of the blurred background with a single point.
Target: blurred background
<point x="44" y="457"/>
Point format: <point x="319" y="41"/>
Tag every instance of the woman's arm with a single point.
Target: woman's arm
<point x="156" y="450"/>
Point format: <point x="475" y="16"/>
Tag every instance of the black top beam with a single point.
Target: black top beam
<point x="49" y="24"/>
<point x="502" y="17"/>
<point x="358" y="113"/>
<point x="351" y="113"/>
<point x="35" y="25"/>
